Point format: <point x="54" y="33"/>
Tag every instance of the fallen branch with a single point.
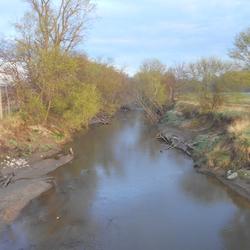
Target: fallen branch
<point x="175" y="142"/>
<point x="6" y="180"/>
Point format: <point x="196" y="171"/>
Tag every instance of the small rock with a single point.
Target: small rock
<point x="196" y="165"/>
<point x="71" y="151"/>
<point x="232" y="176"/>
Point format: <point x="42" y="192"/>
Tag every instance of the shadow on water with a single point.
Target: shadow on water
<point x="122" y="192"/>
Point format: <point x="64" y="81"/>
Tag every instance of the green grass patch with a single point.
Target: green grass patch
<point x="172" y="118"/>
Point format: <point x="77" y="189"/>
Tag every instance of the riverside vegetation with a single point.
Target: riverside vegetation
<point x="54" y="91"/>
<point x="58" y="90"/>
<point x="207" y="100"/>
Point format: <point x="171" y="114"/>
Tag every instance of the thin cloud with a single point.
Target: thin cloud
<point x="132" y="30"/>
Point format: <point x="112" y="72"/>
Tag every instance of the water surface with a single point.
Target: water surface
<point x="124" y="192"/>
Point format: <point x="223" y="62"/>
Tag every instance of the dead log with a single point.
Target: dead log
<point x="175" y="142"/>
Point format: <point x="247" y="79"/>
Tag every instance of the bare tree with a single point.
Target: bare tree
<point x="241" y="51"/>
<point x="1" y="104"/>
<point x="171" y="82"/>
<point x="178" y="79"/>
<point x="48" y="25"/>
<point x="206" y="73"/>
<point x="207" y="69"/>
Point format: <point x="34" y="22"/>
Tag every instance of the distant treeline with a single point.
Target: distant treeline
<point x="206" y="80"/>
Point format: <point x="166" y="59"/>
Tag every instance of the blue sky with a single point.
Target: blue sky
<point x="129" y="31"/>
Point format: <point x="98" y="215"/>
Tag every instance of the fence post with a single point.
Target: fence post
<point x="1" y="104"/>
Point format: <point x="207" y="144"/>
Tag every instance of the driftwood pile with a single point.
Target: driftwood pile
<point x="175" y="142"/>
<point x="100" y="119"/>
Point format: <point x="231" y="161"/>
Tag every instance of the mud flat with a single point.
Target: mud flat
<point x="28" y="182"/>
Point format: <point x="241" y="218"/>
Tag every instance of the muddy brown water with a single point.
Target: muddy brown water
<point x="124" y="192"/>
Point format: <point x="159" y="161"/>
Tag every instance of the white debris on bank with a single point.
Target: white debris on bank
<point x="231" y="175"/>
<point x="14" y="163"/>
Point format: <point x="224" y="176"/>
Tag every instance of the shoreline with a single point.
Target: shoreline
<point x="239" y="186"/>
<point x="29" y="183"/>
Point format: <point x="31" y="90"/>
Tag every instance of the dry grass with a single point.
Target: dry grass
<point x="17" y="139"/>
<point x="231" y="150"/>
<point x="10" y="129"/>
<point x="238" y="127"/>
<point x="10" y="125"/>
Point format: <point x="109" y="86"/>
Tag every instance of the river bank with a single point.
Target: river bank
<point x="23" y="178"/>
<point x="32" y="180"/>
<point x="122" y="192"/>
<point x="212" y="147"/>
<point x="28" y="182"/>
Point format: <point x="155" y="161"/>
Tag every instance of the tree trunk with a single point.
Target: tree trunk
<point x="47" y="114"/>
<point x="8" y="99"/>
<point x="1" y="104"/>
<point x="171" y="94"/>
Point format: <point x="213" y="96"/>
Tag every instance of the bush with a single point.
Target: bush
<point x="86" y="103"/>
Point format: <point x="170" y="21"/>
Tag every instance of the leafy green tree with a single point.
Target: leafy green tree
<point x="152" y="92"/>
<point x="150" y="80"/>
<point x="83" y="105"/>
<point x="43" y="66"/>
<point x="109" y="81"/>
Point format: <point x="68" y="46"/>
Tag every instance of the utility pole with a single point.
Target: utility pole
<point x="1" y="104"/>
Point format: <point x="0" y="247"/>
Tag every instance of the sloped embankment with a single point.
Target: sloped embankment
<point x="28" y="182"/>
<point x="218" y="143"/>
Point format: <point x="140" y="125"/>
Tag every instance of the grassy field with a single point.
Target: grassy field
<point x="235" y="104"/>
<point x="230" y="98"/>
